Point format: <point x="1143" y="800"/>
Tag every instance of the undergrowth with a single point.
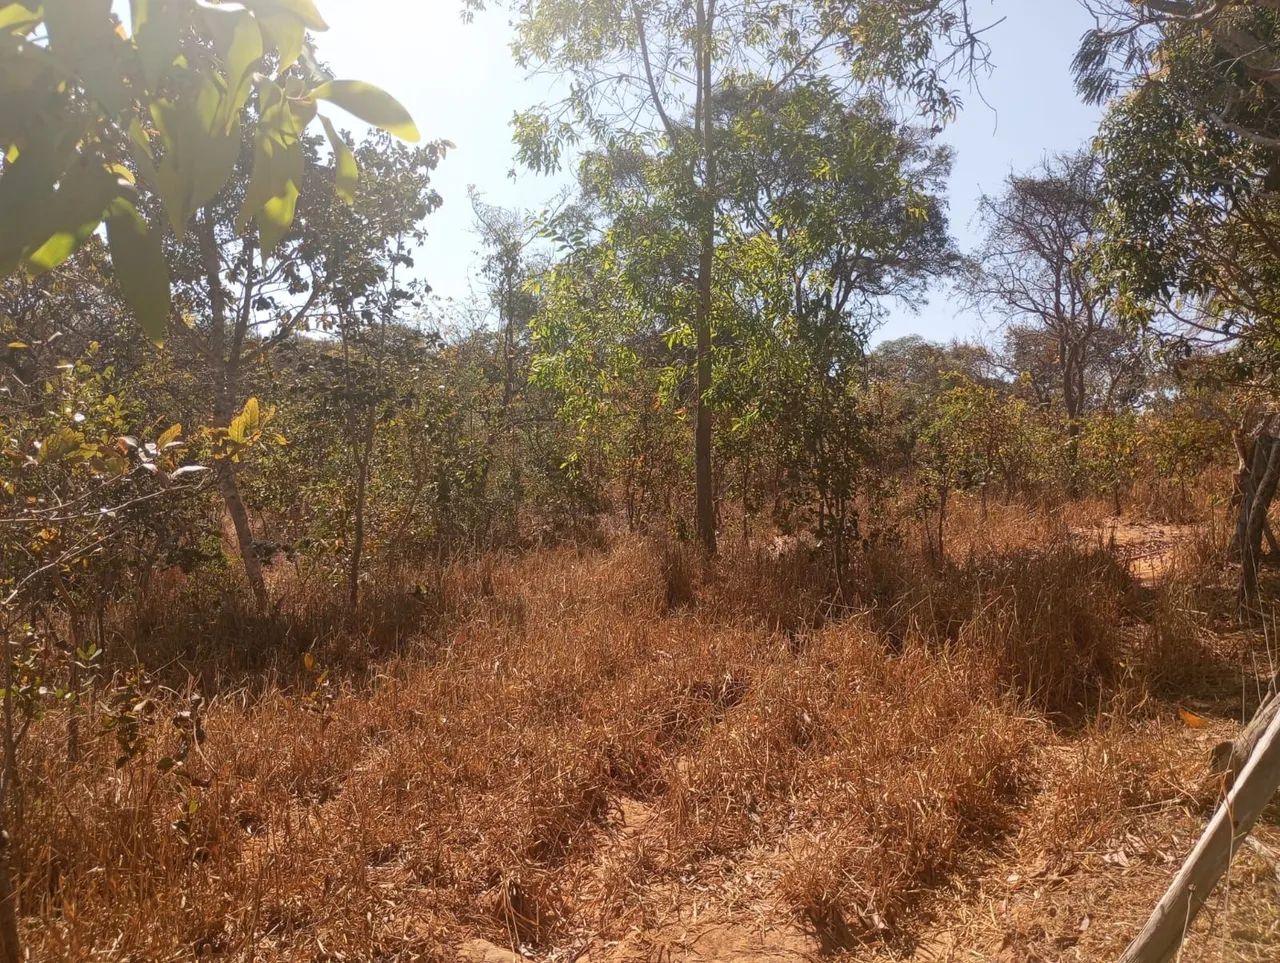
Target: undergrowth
<point x="458" y="757"/>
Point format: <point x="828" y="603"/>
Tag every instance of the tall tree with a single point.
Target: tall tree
<point x="652" y="73"/>
<point x="832" y="208"/>
<point x="1034" y="272"/>
<point x="1191" y="162"/>
<point x="330" y="269"/>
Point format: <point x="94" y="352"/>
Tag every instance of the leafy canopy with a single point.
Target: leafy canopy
<point x="103" y="122"/>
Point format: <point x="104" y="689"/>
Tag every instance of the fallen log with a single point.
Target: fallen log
<point x="1257" y="783"/>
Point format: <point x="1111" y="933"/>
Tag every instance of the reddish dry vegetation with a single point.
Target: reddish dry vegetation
<point x="617" y="753"/>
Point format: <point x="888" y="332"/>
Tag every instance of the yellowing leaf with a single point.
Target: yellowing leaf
<point x="371" y="104"/>
<point x="309" y="661"/>
<point x="346" y="173"/>
<point x="1191" y="719"/>
<point x="244" y="425"/>
<point x="169" y="436"/>
<point x="60" y="444"/>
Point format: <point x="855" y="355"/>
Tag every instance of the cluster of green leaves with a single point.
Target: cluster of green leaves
<point x="1192" y="218"/>
<point x="103" y="121"/>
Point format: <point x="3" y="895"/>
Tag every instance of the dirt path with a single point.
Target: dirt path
<point x="1149" y="548"/>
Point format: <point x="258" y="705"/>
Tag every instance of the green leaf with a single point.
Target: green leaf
<point x="59" y="445"/>
<point x="284" y="33"/>
<point x="346" y="171"/>
<point x="157" y="32"/>
<point x="138" y="258"/>
<point x="81" y="38"/>
<point x="201" y="150"/>
<point x="278" y="168"/>
<point x="18" y="18"/>
<point x="75" y="211"/>
<point x="276" y="217"/>
<point x="371" y="104"/>
<point x="237" y="37"/>
<point x="307" y="13"/>
<point x="26" y="194"/>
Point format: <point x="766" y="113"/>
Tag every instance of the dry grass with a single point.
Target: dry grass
<point x="589" y="749"/>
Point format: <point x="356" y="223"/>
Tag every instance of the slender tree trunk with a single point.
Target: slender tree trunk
<point x="705" y="518"/>
<point x="229" y="486"/>
<point x="10" y="948"/>
<point x="10" y="815"/>
<point x="224" y="410"/>
<point x="73" y="683"/>
<point x="363" y="458"/>
<point x="1253" y="515"/>
<point x="704" y="476"/>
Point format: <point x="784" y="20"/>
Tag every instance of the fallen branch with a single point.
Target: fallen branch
<point x="1266" y="854"/>
<point x="1258" y="781"/>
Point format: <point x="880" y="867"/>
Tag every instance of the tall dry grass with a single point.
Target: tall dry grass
<point x="553" y="750"/>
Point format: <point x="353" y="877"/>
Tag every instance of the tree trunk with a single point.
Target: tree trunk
<point x="10" y="948"/>
<point x="1254" y="508"/>
<point x="226" y="371"/>
<point x="1162" y="936"/>
<point x="73" y="683"/>
<point x="705" y="519"/>
<point x="704" y="478"/>
<point x="358" y="523"/>
<point x="229" y="486"/>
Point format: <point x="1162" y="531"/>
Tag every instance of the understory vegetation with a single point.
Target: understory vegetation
<point x="564" y="745"/>
<point x="648" y="604"/>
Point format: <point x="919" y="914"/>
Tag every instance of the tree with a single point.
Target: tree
<point x="334" y="258"/>
<point x="651" y="75"/>
<point x="1034" y="272"/>
<point x="1191" y="228"/>
<point x="831" y="209"/>
<point x="98" y="120"/>
<point x="510" y="269"/>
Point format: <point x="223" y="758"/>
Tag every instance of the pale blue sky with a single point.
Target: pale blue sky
<point x="460" y="84"/>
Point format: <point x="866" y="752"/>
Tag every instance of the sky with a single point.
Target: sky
<point x="460" y="84"/>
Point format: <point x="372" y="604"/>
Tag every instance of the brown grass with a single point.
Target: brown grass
<point x="578" y="748"/>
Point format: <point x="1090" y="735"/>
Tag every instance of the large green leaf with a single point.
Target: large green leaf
<point x="237" y="38"/>
<point x="304" y="10"/>
<point x="284" y="33"/>
<point x="76" y="210"/>
<point x="82" y="39"/>
<point x="276" y="217"/>
<point x="26" y="193"/>
<point x="346" y="171"/>
<point x="200" y="151"/>
<point x="157" y="32"/>
<point x="278" y="167"/>
<point x="137" y="255"/>
<point x="371" y="104"/>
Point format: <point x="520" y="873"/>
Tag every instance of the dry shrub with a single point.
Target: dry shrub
<point x="678" y="573"/>
<point x="786" y="584"/>
<point x="1100" y="782"/>
<point x="1050" y="622"/>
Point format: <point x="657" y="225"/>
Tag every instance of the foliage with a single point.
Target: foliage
<point x="99" y="119"/>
